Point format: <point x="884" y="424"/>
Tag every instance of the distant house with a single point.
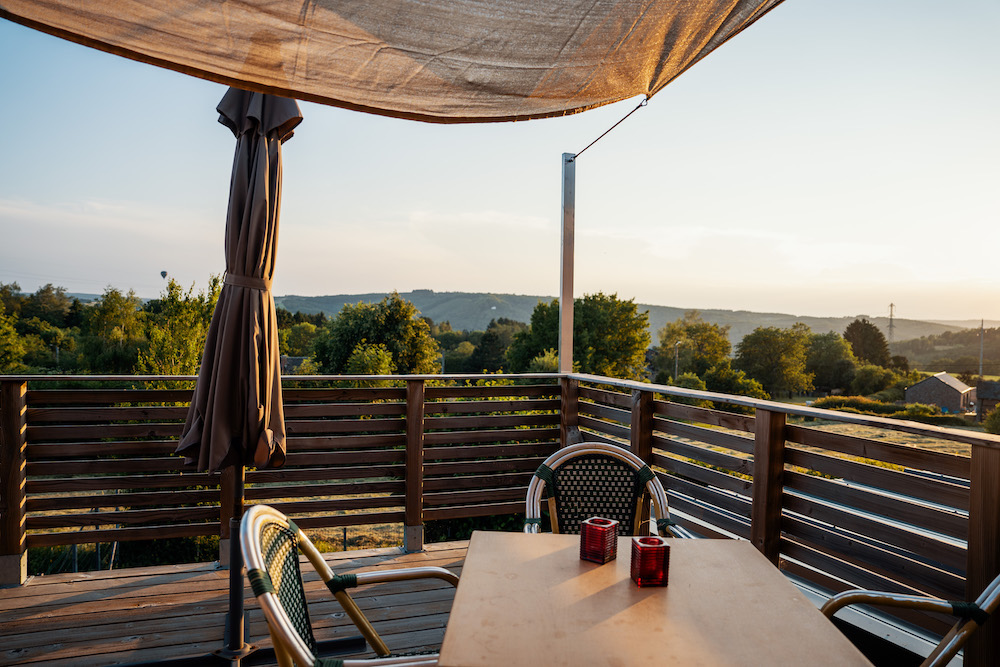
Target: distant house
<point x="987" y="397"/>
<point x="946" y="391"/>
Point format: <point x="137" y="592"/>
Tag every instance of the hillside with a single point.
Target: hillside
<point x="473" y="311"/>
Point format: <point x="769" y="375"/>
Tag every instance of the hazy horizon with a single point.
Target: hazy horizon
<point x="833" y="158"/>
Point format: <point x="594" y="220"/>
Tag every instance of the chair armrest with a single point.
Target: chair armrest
<point x="406" y="574"/>
<point x="841" y="600"/>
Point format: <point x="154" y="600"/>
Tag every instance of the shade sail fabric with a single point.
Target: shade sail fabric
<point x="432" y="60"/>
<point x="236" y="415"/>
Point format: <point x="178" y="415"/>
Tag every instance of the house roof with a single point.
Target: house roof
<point x="949" y="380"/>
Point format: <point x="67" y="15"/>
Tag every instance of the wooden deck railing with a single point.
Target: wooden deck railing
<point x="85" y="460"/>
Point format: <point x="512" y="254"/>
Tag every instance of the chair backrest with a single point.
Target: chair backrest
<point x="270" y="550"/>
<point x="594" y="479"/>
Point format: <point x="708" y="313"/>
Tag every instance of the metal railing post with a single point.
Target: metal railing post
<point x="413" y="522"/>
<point x="13" y="449"/>
<point x="768" y="476"/>
<point x="983" y="564"/>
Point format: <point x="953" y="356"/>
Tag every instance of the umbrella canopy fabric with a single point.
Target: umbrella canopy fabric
<point x="236" y="415"/>
<point x="432" y="60"/>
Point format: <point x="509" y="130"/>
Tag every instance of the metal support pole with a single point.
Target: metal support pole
<point x="566" y="275"/>
<point x="235" y="647"/>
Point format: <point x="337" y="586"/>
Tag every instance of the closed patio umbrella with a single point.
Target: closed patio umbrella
<point x="236" y="418"/>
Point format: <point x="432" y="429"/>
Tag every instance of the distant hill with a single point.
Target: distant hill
<point x="474" y="310"/>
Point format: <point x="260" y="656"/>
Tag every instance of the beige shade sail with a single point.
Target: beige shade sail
<point x="432" y="60"/>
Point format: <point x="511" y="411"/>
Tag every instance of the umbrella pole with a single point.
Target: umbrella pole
<point x="234" y="646"/>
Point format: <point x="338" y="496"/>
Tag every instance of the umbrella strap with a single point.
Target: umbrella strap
<point x="248" y="281"/>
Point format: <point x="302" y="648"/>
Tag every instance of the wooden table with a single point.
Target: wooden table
<point x="529" y="600"/>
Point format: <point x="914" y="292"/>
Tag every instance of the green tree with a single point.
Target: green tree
<point x="698" y="346"/>
<point x="11" y="347"/>
<point x="871" y="378"/>
<point x="11" y="298"/>
<point x="867" y="342"/>
<point x="393" y="323"/>
<point x="177" y="324"/>
<point x="458" y="359"/>
<point x="368" y="359"/>
<point x="776" y="358"/>
<point x="491" y="352"/>
<point x="691" y="381"/>
<point x="992" y="421"/>
<point x="830" y="360"/>
<point x="546" y="362"/>
<point x="113" y="332"/>
<point x="49" y="304"/>
<point x="724" y="379"/>
<point x="298" y="339"/>
<point x="610" y="337"/>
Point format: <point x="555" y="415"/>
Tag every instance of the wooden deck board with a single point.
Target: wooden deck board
<point x="174" y="612"/>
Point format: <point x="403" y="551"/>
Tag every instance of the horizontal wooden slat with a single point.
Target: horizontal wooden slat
<point x="302" y="427"/>
<point x="491" y="407"/>
<point x="488" y="421"/>
<point x="891" y="507"/>
<point x="501" y="435"/>
<point x="258" y="493"/>
<point x="109" y="431"/>
<point x="949" y="556"/>
<point x="618" y="400"/>
<point x="78" y="415"/>
<point x="129" y="518"/>
<point x="120" y="482"/>
<point x="90" y="396"/>
<point x="465" y="511"/>
<point x="285" y="475"/>
<point x="736" y="422"/>
<point x="502" y="391"/>
<point x="605" y="412"/>
<point x="127" y="448"/>
<point x="912" y="457"/>
<point x="329" y="443"/>
<point x="338" y="520"/>
<point x="312" y="410"/>
<point x="480" y="452"/>
<point x="676" y="486"/>
<point x="35" y="540"/>
<point x="917" y="486"/>
<point x="736" y="526"/>
<point x="489" y="496"/>
<point x="703" y="475"/>
<point x="932" y="580"/>
<point x="338" y="505"/>
<point x="347" y="457"/>
<point x="106" y="466"/>
<point x="603" y="427"/>
<point x="704" y="455"/>
<point x="704" y="435"/>
<point x="152" y="499"/>
<point x="479" y="467"/>
<point x="520" y="479"/>
<point x="340" y="394"/>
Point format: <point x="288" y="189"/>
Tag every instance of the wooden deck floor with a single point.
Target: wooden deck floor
<point x="174" y="612"/>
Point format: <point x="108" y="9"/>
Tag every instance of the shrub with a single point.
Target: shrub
<point x="992" y="421"/>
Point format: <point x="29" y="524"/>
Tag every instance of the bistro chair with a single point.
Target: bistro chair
<point x="971" y="615"/>
<point x="271" y="544"/>
<point x="597" y="479"/>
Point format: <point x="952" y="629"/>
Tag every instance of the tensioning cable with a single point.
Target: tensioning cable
<point x="645" y="101"/>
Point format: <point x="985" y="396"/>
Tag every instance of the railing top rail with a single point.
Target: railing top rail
<point x="917" y="428"/>
<point x="307" y="378"/>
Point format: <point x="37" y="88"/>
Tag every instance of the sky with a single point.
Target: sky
<point x="836" y="157"/>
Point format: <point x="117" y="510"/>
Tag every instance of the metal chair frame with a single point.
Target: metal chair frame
<point x="660" y="514"/>
<point x="289" y="646"/>
<point x="970" y="616"/>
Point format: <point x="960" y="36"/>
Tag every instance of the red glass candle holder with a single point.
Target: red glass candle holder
<point x="650" y="561"/>
<point x="598" y="539"/>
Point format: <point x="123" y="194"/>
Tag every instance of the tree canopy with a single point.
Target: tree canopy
<point x="776" y="358"/>
<point x="697" y="344"/>
<point x="393" y="323"/>
<point x="610" y="337"/>
<point x="867" y="342"/>
<point x="831" y="361"/>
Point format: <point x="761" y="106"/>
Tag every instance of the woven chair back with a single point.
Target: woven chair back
<point x="279" y="548"/>
<point x="596" y="485"/>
